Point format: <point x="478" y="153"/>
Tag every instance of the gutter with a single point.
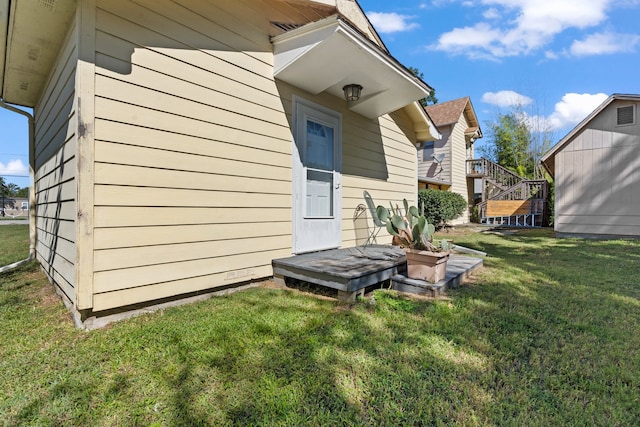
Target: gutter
<point x="32" y="193"/>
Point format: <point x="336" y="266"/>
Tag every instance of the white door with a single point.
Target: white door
<point x="317" y="179"/>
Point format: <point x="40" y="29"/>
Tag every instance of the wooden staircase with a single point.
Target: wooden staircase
<point x="507" y="198"/>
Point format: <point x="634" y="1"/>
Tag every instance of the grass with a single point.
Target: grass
<point x="547" y="334"/>
<point x="15" y="243"/>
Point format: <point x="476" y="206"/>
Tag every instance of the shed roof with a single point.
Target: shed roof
<point x="548" y="160"/>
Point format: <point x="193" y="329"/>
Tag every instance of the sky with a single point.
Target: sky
<point x="14" y="148"/>
<point x="556" y="59"/>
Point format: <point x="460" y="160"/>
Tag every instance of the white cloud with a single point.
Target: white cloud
<point x="573" y="108"/>
<point x="550" y="55"/>
<point x="527" y="26"/>
<point x="14" y="168"/>
<point x="605" y="43"/>
<point x="479" y="41"/>
<point x="506" y="98"/>
<point x="491" y="13"/>
<point x="391" y="22"/>
<point x="568" y="112"/>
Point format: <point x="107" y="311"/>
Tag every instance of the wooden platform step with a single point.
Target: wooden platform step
<point x="459" y="267"/>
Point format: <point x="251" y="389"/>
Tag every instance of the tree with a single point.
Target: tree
<point x="429" y="99"/>
<point x="517" y="141"/>
<point x="12" y="189"/>
<point x="23" y="192"/>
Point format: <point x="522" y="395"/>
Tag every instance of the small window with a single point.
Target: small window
<point x="626" y="115"/>
<point x="427" y="151"/>
<point x="25" y="205"/>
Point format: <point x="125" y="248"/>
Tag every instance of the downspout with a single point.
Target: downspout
<point x="32" y="193"/>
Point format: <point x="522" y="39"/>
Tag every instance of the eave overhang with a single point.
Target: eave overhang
<point x="429" y="180"/>
<point x="424" y="127"/>
<point x="4" y="26"/>
<point x="326" y="55"/>
<point x="32" y="33"/>
<point x="473" y="133"/>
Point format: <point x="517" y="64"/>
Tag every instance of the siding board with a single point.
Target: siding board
<point x="183" y="36"/>
<point x="113" y="174"/>
<point x="253" y="73"/>
<point x="122" y="237"/>
<point x="200" y="127"/>
<point x="134" y="97"/>
<point x="113" y="259"/>
<point x="145" y="157"/>
<point x="275" y="152"/>
<point x="108" y="281"/>
<point x="65" y="229"/>
<point x="105" y="301"/>
<point x="115" y="195"/>
<point x="125" y="216"/>
<point x="55" y="170"/>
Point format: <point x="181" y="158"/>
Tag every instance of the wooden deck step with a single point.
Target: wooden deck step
<point x="351" y="270"/>
<point x="459" y="267"/>
<point x="348" y="270"/>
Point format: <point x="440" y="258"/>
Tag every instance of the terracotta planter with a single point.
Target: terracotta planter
<point x="426" y="265"/>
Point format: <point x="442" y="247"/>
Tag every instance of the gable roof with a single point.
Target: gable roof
<point x="548" y="160"/>
<point x="448" y="113"/>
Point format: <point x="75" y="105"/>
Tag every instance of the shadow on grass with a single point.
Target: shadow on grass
<point x="545" y="335"/>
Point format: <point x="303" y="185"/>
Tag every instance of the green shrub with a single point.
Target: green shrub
<point x="441" y="206"/>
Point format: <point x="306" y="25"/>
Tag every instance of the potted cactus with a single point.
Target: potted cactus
<point x="426" y="259"/>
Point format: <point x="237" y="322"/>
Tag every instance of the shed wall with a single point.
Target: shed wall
<point x="56" y="171"/>
<point x="598" y="178"/>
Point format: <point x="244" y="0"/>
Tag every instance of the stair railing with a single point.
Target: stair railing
<point x="487" y="168"/>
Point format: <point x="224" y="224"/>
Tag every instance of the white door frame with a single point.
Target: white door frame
<point x="321" y="232"/>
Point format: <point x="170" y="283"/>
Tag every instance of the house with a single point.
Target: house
<point x="179" y="146"/>
<point x="596" y="170"/>
<point x="442" y="163"/>
<point x="15" y="206"/>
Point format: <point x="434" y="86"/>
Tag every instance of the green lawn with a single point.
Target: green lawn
<point x="548" y="333"/>
<point x="14" y="243"/>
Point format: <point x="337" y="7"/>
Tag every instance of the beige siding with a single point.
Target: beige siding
<point x="598" y="179"/>
<point x="192" y="154"/>
<point x="55" y="170"/>
<point x="427" y="168"/>
<point x="391" y="178"/>
<point x="186" y="182"/>
<point x="459" y="165"/>
<point x="453" y="166"/>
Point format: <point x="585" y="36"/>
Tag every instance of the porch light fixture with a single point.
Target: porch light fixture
<point x="352" y="92"/>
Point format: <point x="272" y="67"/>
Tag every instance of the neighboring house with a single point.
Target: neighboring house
<point x="596" y="168"/>
<point x="442" y="164"/>
<point x="182" y="145"/>
<point x="15" y="206"/>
